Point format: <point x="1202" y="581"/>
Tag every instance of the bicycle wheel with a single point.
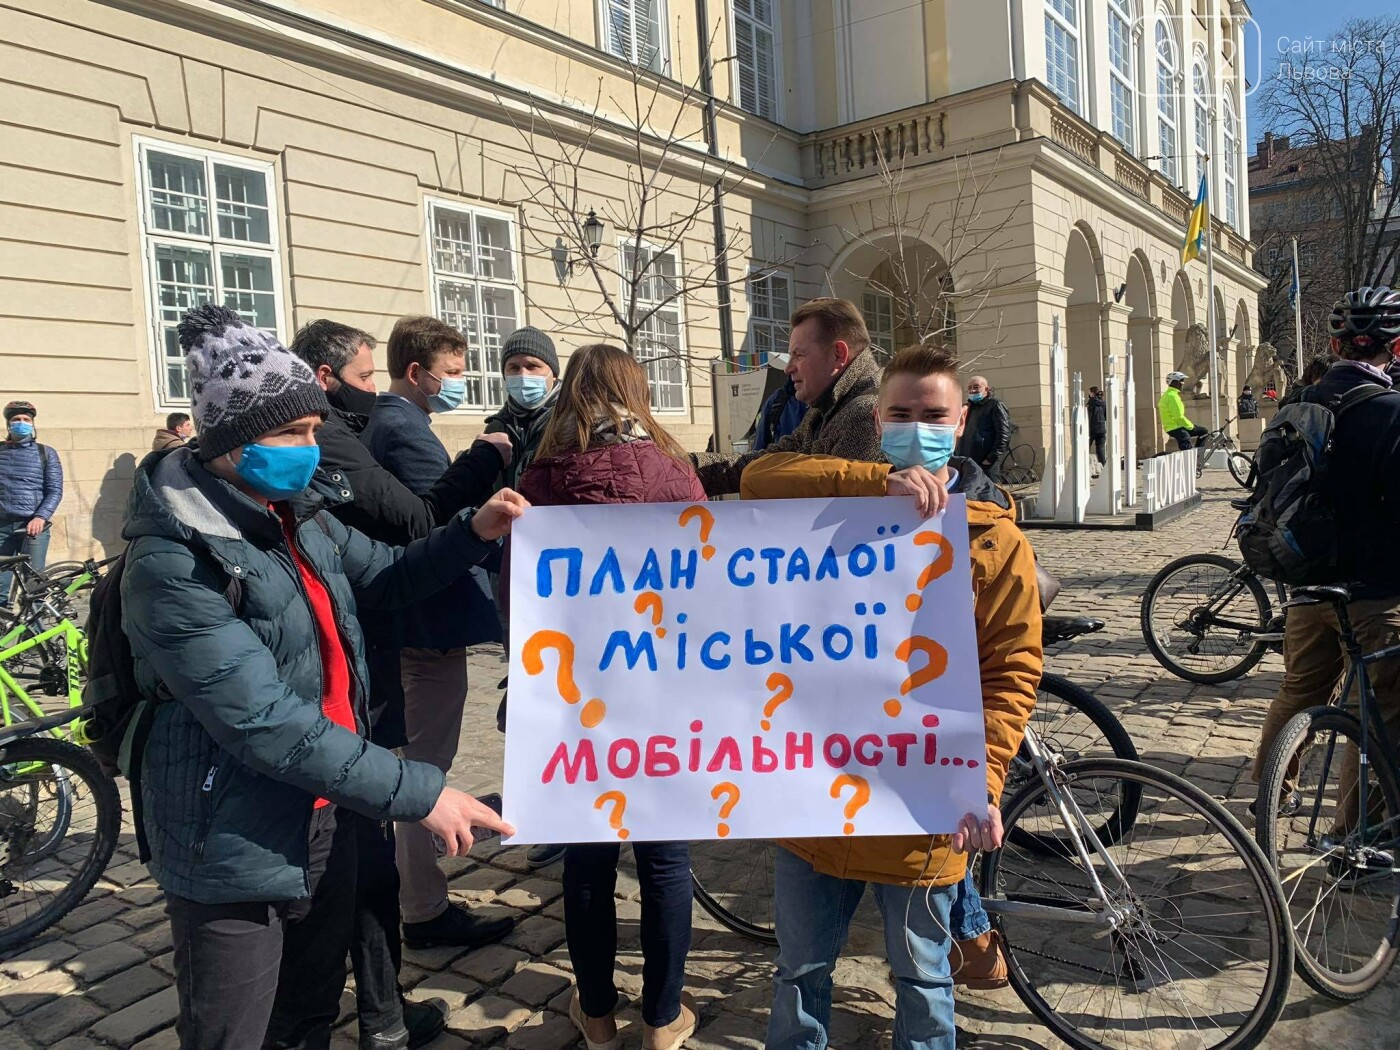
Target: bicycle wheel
<point x="1343" y="909"/>
<point x="1200" y="616"/>
<point x="733" y="881"/>
<point x="1240" y="466"/>
<point x="1199" y="955"/>
<point x="1072" y="723"/>
<point x="37" y="891"/>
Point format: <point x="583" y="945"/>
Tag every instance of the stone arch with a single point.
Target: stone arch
<point x="1088" y="291"/>
<point x="1141" y="298"/>
<point x="873" y="271"/>
<point x="1244" y="343"/>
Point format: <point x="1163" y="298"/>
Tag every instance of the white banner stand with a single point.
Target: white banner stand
<point x="1130" y="479"/>
<point x="1074" y="497"/>
<point x="1107" y="495"/>
<point x="1052" y="478"/>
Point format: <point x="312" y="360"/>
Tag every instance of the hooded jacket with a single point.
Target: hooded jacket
<point x="1007" y="616"/>
<point x="31" y="481"/>
<point x="525" y="428"/>
<point x="239" y="748"/>
<point x="1172" y="411"/>
<point x="839" y="423"/>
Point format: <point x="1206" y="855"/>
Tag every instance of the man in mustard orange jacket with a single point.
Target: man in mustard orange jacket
<point x="819" y="882"/>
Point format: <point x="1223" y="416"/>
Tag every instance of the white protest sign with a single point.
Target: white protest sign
<point x="753" y="669"/>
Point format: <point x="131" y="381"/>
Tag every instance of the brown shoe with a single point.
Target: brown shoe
<point x="673" y="1035"/>
<point x="599" y="1033"/>
<point x="979" y="963"/>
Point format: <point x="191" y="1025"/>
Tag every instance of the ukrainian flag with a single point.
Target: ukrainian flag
<point x="1197" y="226"/>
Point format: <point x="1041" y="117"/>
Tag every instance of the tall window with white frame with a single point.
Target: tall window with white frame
<point x="770" y="308"/>
<point x="658" y="343"/>
<point x="209" y="234"/>
<point x="756" y="56"/>
<point x="1200" y="89"/>
<point x="475" y="289"/>
<point x="878" y="310"/>
<point x="1062" y="50"/>
<point x="1122" y="77"/>
<point x="1230" y="126"/>
<point x="1168" y="108"/>
<point x="634" y="30"/>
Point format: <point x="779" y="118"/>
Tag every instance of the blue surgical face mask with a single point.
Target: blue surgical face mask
<point x="278" y="471"/>
<point x="927" y="445"/>
<point x="976" y="399"/>
<point x="450" y="395"/>
<point x="527" y="391"/>
<point x="20" y="431"/>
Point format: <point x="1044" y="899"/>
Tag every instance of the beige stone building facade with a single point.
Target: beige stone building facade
<point x="365" y="159"/>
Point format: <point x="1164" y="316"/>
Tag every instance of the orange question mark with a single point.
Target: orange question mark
<point x="933" y="669"/>
<point x="782" y="685"/>
<point x="651" y="600"/>
<point x="932" y="571"/>
<point x="731" y="793"/>
<point x="532" y="656"/>
<point x="619" y="801"/>
<point x="859" y="797"/>
<point x="707" y="523"/>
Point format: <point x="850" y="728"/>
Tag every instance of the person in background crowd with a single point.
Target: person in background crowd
<point x="530" y="370"/>
<point x="1313" y="372"/>
<point x="257" y="710"/>
<point x="1172" y="412"/>
<point x="1363" y="489"/>
<point x="1246" y="405"/>
<point x="1098" y="423"/>
<point x="604" y="446"/>
<point x="31" y="488"/>
<point x="177" y="431"/>
<point x="834" y="376"/>
<point x="427" y="367"/>
<point x="987" y="436"/>
<point x="920" y="882"/>
<point x="781" y="413"/>
<point x="342" y="360"/>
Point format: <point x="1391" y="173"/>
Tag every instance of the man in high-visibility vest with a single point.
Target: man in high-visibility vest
<point x="1172" y="412"/>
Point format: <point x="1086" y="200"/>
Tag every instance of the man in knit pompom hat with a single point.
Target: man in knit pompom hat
<point x="239" y="598"/>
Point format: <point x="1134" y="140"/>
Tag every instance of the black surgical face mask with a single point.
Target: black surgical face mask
<point x="349" y="398"/>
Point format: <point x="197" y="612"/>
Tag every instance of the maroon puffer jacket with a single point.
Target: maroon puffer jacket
<point x="628" y="472"/>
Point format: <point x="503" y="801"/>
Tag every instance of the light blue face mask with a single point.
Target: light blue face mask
<point x="927" y="445"/>
<point x="20" y="431"/>
<point x="976" y="399"/>
<point x="450" y="395"/>
<point x="278" y="471"/>
<point x="527" y="391"/>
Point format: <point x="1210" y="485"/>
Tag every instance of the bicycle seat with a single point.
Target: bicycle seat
<point x="1330" y="594"/>
<point x="1062" y="628"/>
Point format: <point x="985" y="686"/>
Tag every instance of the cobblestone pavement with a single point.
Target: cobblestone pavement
<point x="103" y="976"/>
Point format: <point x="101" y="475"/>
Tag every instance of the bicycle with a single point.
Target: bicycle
<point x="733" y="881"/>
<point x="1018" y="466"/>
<point x="1330" y="832"/>
<point x="1208" y="618"/>
<point x="45" y="597"/>
<point x="1219" y="440"/>
<point x="59" y="820"/>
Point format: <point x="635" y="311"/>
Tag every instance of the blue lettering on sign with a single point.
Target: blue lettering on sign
<point x="829" y="568"/>
<point x="684" y="574"/>
<point x="649" y="579"/>
<point x="609" y="572"/>
<point x="707" y="657"/>
<point x="632" y="651"/>
<point x="544" y="575"/>
<point x="772" y="555"/>
<point x="746" y="580"/>
<point x="799" y="568"/>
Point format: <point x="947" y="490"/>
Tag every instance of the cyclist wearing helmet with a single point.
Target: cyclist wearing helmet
<point x="1364" y="479"/>
<point x="1173" y="413"/>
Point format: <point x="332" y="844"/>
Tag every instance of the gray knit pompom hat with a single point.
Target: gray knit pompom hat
<point x="243" y="382"/>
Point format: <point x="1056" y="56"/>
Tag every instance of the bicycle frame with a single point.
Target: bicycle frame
<point x="76" y="644"/>
<point x="1081" y="833"/>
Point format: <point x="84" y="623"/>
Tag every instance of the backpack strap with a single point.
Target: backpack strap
<point x="1358" y="395"/>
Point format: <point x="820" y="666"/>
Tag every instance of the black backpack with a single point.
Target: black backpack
<point x="112" y="695"/>
<point x="1290" y="531"/>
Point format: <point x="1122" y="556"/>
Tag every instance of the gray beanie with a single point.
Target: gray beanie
<point x="243" y="382"/>
<point x="533" y="342"/>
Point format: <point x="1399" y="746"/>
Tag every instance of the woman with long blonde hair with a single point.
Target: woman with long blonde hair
<point x="603" y="445"/>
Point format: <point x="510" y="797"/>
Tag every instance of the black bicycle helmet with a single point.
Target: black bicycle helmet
<point x="1366" y="317"/>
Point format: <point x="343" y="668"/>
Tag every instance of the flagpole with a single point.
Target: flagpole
<point x="1210" y="290"/>
<point x="1297" y="297"/>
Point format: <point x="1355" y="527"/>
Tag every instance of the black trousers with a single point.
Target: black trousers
<point x="256" y="974"/>
<point x="1183" y="436"/>
<point x="1099" y="441"/>
<point x="590" y="924"/>
<point x="376" y="951"/>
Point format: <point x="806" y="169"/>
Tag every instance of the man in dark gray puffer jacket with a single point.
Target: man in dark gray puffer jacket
<point x="257" y="738"/>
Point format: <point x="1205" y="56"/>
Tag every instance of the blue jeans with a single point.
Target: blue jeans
<point x="14" y="540"/>
<point x="967" y="918"/>
<point x="813" y="916"/>
<point x="590" y="924"/>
